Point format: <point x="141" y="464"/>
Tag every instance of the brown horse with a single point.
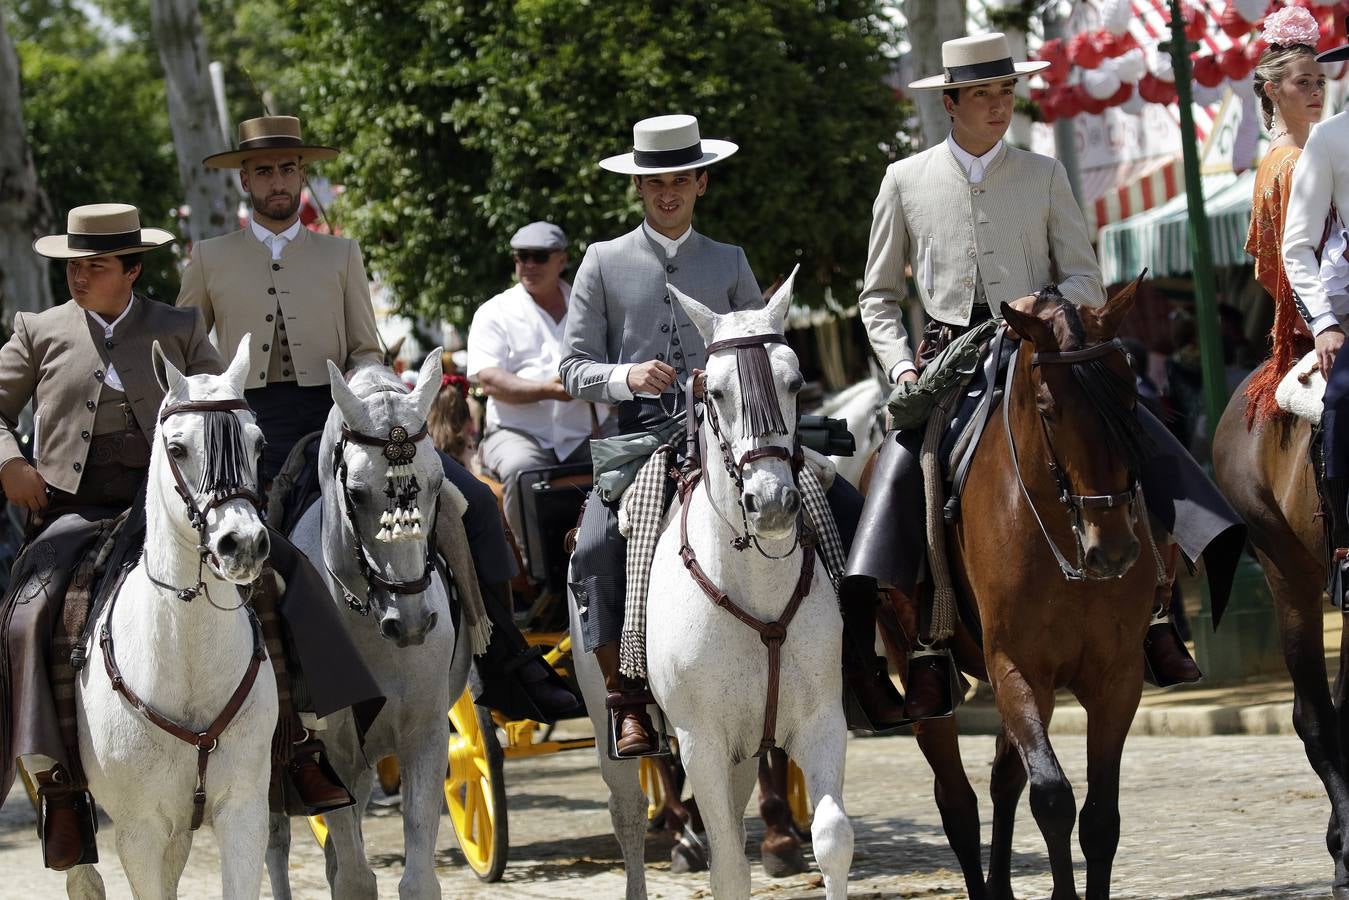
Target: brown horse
<point x="1053" y="479"/>
<point x="1266" y="473"/>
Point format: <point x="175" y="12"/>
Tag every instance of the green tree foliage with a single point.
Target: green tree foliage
<point x="462" y="121"/>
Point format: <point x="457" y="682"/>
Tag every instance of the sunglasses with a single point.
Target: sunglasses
<point x="532" y="256"/>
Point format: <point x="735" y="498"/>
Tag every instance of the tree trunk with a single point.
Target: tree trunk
<point x="176" y="25"/>
<point x="930" y="23"/>
<point x="24" y="211"/>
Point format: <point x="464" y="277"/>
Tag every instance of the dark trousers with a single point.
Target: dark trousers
<point x="1335" y="419"/>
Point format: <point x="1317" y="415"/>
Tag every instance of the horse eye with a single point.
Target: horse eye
<point x="259" y="445"/>
<point x="795" y="384"/>
<point x="714" y="395"/>
<point x="177" y="451"/>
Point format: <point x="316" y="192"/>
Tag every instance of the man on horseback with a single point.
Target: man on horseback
<point x="627" y="344"/>
<point x="85" y="365"/>
<point x="305" y="299"/>
<point x="977" y="223"/>
<point x="1310" y="245"/>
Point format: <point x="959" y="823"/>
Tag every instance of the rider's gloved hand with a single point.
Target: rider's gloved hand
<point x="23" y="485"/>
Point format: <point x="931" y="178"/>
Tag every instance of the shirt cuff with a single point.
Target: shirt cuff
<point x="618" y="382"/>
<point x="1323" y="321"/>
<point x="904" y="365"/>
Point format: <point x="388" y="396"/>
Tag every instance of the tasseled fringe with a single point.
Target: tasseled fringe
<point x="225" y="463"/>
<point x="632" y="654"/>
<point x="479" y="635"/>
<point x="758" y="393"/>
<point x="1290" y="340"/>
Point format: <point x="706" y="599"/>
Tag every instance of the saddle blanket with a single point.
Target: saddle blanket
<point x="1302" y="389"/>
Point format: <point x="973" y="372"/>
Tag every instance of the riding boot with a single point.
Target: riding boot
<point x="929" y="673"/>
<point x="633" y="733"/>
<point x="871" y="701"/>
<point x="1166" y="661"/>
<point x="66" y="822"/>
<point x="515" y="677"/>
<point x="1335" y="496"/>
<point x="314" y="780"/>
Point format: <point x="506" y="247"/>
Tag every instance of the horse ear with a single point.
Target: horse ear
<point x="428" y="385"/>
<point x="165" y="373"/>
<point x="1029" y="327"/>
<point x="1105" y="321"/>
<point x="781" y="303"/>
<point x="703" y="318"/>
<point x="237" y="373"/>
<point x="348" y="404"/>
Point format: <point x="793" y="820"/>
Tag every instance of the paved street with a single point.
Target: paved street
<point x="1203" y="817"/>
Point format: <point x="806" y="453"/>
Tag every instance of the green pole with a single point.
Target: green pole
<point x="1205" y="303"/>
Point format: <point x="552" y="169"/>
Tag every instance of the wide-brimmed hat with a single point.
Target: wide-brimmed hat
<point x="978" y="59"/>
<point x="1336" y="54"/>
<point x="668" y="144"/>
<point x="102" y="229"/>
<point x="269" y="134"/>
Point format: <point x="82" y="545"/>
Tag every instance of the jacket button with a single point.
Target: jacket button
<point x="77" y="467"/>
<point x="972" y="254"/>
<point x="89" y="404"/>
<point x="665" y="327"/>
<point x="266" y="347"/>
<point x="660" y="357"/>
<point x="670" y="269"/>
<point x="269" y="317"/>
<point x="285" y="357"/>
<point x="98" y="374"/>
<point x="108" y="344"/>
<point x="85" y="435"/>
<point x="285" y="371"/>
<point x="285" y="343"/>
<point x="262" y="375"/>
<point x="271" y="290"/>
<point x="667" y="301"/>
<point x="276" y="267"/>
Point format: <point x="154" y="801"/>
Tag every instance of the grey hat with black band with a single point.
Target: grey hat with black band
<point x="269" y="134"/>
<point x="1335" y="54"/>
<point x="978" y="59"/>
<point x="102" y="229"/>
<point x="668" y="144"/>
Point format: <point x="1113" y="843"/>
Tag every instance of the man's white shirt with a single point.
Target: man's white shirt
<point x="512" y="332"/>
<point x="110" y="376"/>
<point x="273" y="241"/>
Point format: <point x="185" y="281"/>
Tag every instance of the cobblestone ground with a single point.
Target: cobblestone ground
<point x="1234" y="817"/>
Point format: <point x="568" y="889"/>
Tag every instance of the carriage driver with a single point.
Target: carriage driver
<point x="978" y="223"/>
<point x="514" y="347"/>
<point x="85" y="366"/>
<point x="628" y="344"/>
<point x="305" y="299"/>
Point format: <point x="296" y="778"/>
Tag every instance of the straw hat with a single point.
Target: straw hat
<point x="978" y="59"/>
<point x="102" y="229"/>
<point x="268" y="134"/>
<point x="668" y="144"/>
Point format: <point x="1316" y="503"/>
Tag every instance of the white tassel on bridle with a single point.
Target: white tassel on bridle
<point x="401" y="520"/>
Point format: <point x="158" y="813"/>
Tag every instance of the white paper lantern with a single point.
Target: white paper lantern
<point x="1131" y="66"/>
<point x="1159" y="62"/>
<point x="1115" y="15"/>
<point x="1250" y="10"/>
<point x="1134" y="105"/>
<point x="1207" y="96"/>
<point x="1102" y="83"/>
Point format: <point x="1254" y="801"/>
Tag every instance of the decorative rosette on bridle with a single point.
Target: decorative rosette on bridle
<point x="401" y="519"/>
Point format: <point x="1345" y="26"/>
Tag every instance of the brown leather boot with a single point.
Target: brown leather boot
<point x="318" y="790"/>
<point x="62" y="833"/>
<point x="634" y="735"/>
<point x="866" y="676"/>
<point x="1168" y="662"/>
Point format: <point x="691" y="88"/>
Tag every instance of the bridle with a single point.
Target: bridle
<point x="1074" y="503"/>
<point x="217" y="495"/>
<point x="735" y="467"/>
<point x="398" y="447"/>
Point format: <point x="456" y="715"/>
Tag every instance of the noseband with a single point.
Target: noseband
<point x="217" y="494"/>
<point x="399" y="448"/>
<point x="1074" y="503"/>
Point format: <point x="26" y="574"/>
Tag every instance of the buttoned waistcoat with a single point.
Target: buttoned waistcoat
<point x="318" y="284"/>
<point x="620" y="311"/>
<point x="1016" y="231"/>
<point x="57" y="360"/>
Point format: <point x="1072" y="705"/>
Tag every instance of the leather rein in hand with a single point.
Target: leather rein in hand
<point x="772" y="634"/>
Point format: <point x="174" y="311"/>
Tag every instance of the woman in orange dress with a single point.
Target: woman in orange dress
<point x="1291" y="88"/>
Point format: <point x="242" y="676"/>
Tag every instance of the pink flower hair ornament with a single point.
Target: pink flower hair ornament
<point x="1290" y="26"/>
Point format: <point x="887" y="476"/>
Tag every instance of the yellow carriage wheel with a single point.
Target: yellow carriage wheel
<point x="386" y="770"/>
<point x="652" y="786"/>
<point x="798" y="799"/>
<point x="475" y="789"/>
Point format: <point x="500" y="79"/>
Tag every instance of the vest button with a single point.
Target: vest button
<point x="660" y="357"/>
<point x="269" y="317"/>
<point x="98" y="374"/>
<point x="276" y="267"/>
<point x="266" y="347"/>
<point x="271" y="290"/>
<point x="285" y="371"/>
<point x="107" y="344"/>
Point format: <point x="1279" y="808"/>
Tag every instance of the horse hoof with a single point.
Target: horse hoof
<point x="687" y="857"/>
<point x="786" y="861"/>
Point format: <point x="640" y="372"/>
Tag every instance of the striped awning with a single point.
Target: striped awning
<point x="1159" y="241"/>
<point x="1112" y="194"/>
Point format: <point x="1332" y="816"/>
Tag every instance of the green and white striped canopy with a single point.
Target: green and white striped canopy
<point x="1159" y="239"/>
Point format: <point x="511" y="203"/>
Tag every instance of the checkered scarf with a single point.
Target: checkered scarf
<point x="644" y="504"/>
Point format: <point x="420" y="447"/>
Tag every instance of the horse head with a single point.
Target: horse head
<point x="750" y="391"/>
<point x="203" y="486"/>
<point x="381" y="481"/>
<point x="1091" y="441"/>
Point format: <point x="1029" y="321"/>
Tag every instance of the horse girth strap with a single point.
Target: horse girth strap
<point x="205" y="741"/>
<point x="772" y="634"/>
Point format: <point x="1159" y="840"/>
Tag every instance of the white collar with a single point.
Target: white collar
<point x="265" y="236"/>
<point x="108" y="329"/>
<point x="670" y="245"/>
<point x="966" y="158"/>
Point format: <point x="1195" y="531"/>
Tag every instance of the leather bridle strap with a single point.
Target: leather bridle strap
<point x="205" y="741"/>
<point x="749" y="340"/>
<point x="1069" y="357"/>
<point x="771" y="633"/>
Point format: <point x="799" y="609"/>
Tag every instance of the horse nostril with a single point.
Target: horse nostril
<point x="392" y="629"/>
<point x="431" y="621"/>
<point x="792" y="501"/>
<point x="228" y="545"/>
<point x="751" y="504"/>
<point x="264" y="544"/>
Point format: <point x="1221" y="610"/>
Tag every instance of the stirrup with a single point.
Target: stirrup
<point x="84" y="811"/>
<point x="624" y="699"/>
<point x="955" y="689"/>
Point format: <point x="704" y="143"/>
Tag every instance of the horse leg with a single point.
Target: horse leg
<point x="140" y="847"/>
<point x="349" y="874"/>
<point x="820" y="749"/>
<point x="84" y="883"/>
<point x="175" y="861"/>
<point x="240" y="828"/>
<point x="710" y="773"/>
<point x="689" y="853"/>
<point x="278" y="855"/>
<point x="780" y="849"/>
<point x="1108" y="720"/>
<point x="423" y="761"/>
<point x="1005" y="787"/>
<point x="959" y="808"/>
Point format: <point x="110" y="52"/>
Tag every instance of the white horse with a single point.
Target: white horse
<point x="177" y="633"/>
<point x="375" y="550"/>
<point x="862" y="406"/>
<point x="710" y="672"/>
